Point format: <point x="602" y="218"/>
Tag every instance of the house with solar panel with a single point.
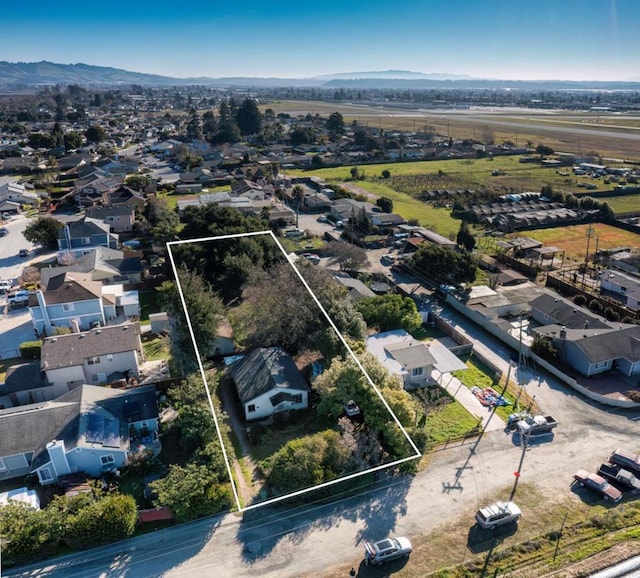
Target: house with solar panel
<point x="90" y="430"/>
<point x="268" y="382"/>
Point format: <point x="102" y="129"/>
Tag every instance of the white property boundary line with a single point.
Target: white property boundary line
<point x="342" y="339"/>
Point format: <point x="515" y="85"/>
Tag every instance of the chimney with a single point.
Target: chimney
<point x="75" y="326"/>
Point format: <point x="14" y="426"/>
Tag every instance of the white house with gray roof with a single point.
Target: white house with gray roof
<point x="404" y="356"/>
<point x="268" y="381"/>
<point x="623" y="286"/>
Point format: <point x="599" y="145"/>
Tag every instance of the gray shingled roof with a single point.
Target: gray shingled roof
<point x="73" y="349"/>
<point x="24" y="376"/>
<point x="616" y="344"/>
<point x="120" y="406"/>
<point x="411" y="355"/>
<point x="263" y="370"/>
<point x="81" y="228"/>
<point x="564" y="313"/>
<point x="28" y="428"/>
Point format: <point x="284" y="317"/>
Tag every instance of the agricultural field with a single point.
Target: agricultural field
<point x="573" y="239"/>
<point x="417" y="176"/>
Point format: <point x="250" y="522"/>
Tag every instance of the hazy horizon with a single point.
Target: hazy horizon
<point x="507" y="40"/>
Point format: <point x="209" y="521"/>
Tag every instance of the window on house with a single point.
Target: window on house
<point x="86" y="240"/>
<point x="102" y="377"/>
<point x="67" y="306"/>
<point x="251" y="408"/>
<point x="106" y="460"/>
<point x="623" y="289"/>
<point x="94" y="377"/>
<point x="297" y="398"/>
<point x="94" y="360"/>
<point x="45" y="475"/>
<point x="417" y="371"/>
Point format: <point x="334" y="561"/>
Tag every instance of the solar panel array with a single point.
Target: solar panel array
<point x="103" y="430"/>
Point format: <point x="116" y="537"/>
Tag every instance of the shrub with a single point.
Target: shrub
<point x="611" y="314"/>
<point x="31" y="349"/>
<point x="595" y="306"/>
<point x="579" y="300"/>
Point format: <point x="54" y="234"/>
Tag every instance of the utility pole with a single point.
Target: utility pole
<point x="590" y="233"/>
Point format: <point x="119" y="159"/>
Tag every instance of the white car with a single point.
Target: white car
<point x="382" y="551"/>
<point x="18" y="297"/>
<point x="498" y="514"/>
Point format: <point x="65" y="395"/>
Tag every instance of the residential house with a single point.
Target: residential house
<point x="622" y="287"/>
<point x="356" y="288"/>
<point x="90" y="190"/>
<point x="120" y="218"/>
<point x="17" y="192"/>
<point x="89" y="429"/>
<point x="26" y="383"/>
<point x="404" y="356"/>
<point x="594" y="351"/>
<point x="246" y="188"/>
<point x="103" y="264"/>
<point x="84" y="235"/>
<point x="69" y="300"/>
<point x="102" y="355"/>
<point x="552" y="309"/>
<point x="124" y="195"/>
<point x="268" y="382"/>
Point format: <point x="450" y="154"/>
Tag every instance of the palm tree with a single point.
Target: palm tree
<point x="296" y="195"/>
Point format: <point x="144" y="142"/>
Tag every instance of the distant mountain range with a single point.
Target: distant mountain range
<point x="28" y="74"/>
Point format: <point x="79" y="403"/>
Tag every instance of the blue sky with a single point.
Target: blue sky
<point x="514" y="39"/>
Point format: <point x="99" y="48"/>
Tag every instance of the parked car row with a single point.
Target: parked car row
<point x="619" y="476"/>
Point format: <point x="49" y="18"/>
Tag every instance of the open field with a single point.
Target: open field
<point x="573" y="239"/>
<point x="436" y="219"/>
<point x="611" y="135"/>
<point x="624" y="204"/>
<point x="416" y="176"/>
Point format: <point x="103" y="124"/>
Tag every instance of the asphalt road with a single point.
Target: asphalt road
<point x="271" y="542"/>
<point x="10" y="263"/>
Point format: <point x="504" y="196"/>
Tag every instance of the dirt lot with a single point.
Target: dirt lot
<point x="574" y="239"/>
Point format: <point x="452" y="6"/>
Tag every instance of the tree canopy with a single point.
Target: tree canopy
<point x="347" y="256"/>
<point x="225" y="263"/>
<point x="248" y="117"/>
<point x="95" y="134"/>
<point x="444" y="265"/>
<point x="344" y="381"/>
<point x="205" y="311"/>
<point x="388" y="312"/>
<point x="309" y="461"/>
<point x="43" y="231"/>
